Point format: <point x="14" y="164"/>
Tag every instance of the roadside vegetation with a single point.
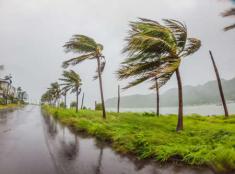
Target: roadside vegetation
<point x="9" y="106"/>
<point x="10" y="96"/>
<point x="208" y="141"/>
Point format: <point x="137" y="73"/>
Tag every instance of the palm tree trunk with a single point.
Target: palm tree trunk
<point x="101" y="88"/>
<point x="65" y="100"/>
<point x="77" y="93"/>
<point x="220" y="86"/>
<point x="118" y="103"/>
<point x="180" y="97"/>
<point x="82" y="100"/>
<point x="157" y="98"/>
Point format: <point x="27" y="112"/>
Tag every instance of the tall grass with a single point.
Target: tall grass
<point x="204" y="141"/>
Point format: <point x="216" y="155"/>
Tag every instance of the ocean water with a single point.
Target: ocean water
<point x="201" y="109"/>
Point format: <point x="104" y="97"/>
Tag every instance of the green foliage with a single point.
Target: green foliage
<point x="71" y="81"/>
<point x="204" y="141"/>
<point x="2" y="101"/>
<point x="73" y="104"/>
<point x="87" y="48"/>
<point x="98" y="107"/>
<point x="155" y="50"/>
<point x="62" y="105"/>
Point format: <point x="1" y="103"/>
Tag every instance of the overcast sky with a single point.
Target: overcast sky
<point x="32" y="33"/>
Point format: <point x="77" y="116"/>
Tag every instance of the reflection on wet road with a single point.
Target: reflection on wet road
<point x="34" y="144"/>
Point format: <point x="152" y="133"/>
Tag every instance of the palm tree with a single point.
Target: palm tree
<point x="55" y="92"/>
<point x="8" y="79"/>
<point x="220" y="86"/>
<point x="47" y="97"/>
<point x="64" y="92"/>
<point x="228" y="13"/>
<point x="19" y="93"/>
<point x="118" y="102"/>
<point x="82" y="100"/>
<point x="72" y="81"/>
<point x="155" y="51"/>
<point x="88" y="49"/>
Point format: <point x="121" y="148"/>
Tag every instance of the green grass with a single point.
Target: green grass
<point x="9" y="106"/>
<point x="205" y="140"/>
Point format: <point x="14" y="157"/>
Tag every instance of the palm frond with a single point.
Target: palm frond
<point x="192" y="45"/>
<point x="230" y="12"/>
<point x="136" y="82"/>
<point x="77" y="60"/>
<point x="71" y="80"/>
<point x="80" y="44"/>
<point x="179" y="30"/>
<point x="230" y="27"/>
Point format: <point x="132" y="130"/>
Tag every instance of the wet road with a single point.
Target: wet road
<point x="31" y="143"/>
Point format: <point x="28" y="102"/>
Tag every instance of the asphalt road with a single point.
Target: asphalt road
<point x="23" y="147"/>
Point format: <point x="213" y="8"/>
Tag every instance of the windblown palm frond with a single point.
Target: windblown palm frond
<point x="71" y="81"/>
<point x="77" y="60"/>
<point x="54" y="91"/>
<point x="192" y="45"/>
<point x="180" y="32"/>
<point x="228" y="13"/>
<point x="155" y="51"/>
<point x="80" y="44"/>
<point x="88" y="49"/>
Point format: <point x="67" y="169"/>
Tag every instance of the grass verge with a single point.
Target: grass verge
<point x="205" y="140"/>
<point x="9" y="106"/>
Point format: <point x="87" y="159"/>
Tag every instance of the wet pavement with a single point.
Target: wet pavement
<point x="31" y="143"/>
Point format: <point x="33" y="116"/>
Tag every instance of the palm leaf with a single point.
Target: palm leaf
<point x="191" y="47"/>
<point x="77" y="60"/>
<point x="179" y="30"/>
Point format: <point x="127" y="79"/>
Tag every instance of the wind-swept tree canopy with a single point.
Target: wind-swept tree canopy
<point x="71" y="81"/>
<point x="154" y="52"/>
<point x="88" y="49"/>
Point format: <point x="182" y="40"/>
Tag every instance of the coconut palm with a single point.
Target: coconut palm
<point x="64" y="92"/>
<point x="72" y="81"/>
<point x="154" y="53"/>
<point x="54" y="91"/>
<point x="88" y="49"/>
<point x="8" y="78"/>
<point x="47" y="97"/>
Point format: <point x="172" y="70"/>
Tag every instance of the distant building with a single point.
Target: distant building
<point x="7" y="90"/>
<point x="3" y="87"/>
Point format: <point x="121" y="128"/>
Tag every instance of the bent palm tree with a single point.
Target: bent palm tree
<point x="155" y="52"/>
<point x="88" y="49"/>
<point x="72" y="81"/>
<point x="220" y="86"/>
<point x="54" y="91"/>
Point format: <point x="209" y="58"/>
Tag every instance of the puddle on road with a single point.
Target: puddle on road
<point x="74" y="153"/>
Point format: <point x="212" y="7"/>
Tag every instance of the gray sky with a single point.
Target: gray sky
<point x="32" y="33"/>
